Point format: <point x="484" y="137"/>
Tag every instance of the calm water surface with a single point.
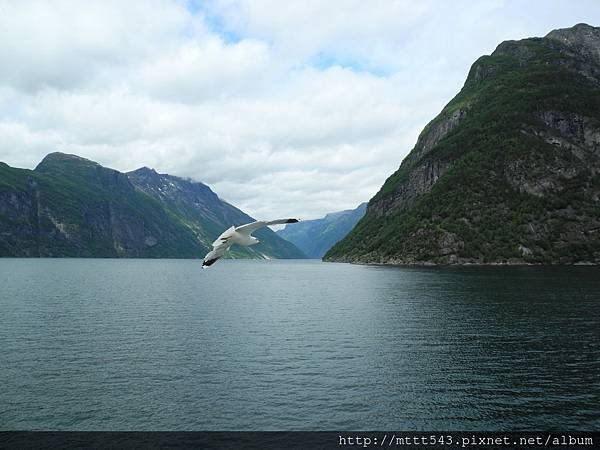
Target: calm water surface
<point x="292" y="345"/>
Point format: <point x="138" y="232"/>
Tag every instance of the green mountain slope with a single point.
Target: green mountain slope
<point x="201" y="210"/>
<point x="508" y="172"/>
<point x="70" y="206"/>
<point x="315" y="237"/>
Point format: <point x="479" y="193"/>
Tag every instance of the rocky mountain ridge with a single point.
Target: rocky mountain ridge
<point x="71" y="206"/>
<point x="509" y="171"/>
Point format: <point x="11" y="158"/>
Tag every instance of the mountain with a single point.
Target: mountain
<point x="204" y="212"/>
<point x="315" y="237"/>
<point x="508" y="172"/>
<point x="71" y="206"/>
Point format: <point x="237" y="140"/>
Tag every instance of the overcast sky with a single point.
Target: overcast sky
<point x="284" y="108"/>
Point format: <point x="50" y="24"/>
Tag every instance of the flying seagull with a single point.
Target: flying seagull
<point x="238" y="235"/>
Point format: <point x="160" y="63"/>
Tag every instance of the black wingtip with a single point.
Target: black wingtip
<point x="209" y="262"/>
<point x="292" y="221"/>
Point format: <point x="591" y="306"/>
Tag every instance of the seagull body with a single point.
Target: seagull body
<point x="238" y="235"/>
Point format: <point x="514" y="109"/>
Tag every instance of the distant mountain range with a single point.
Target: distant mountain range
<point x="508" y="172"/>
<point x="71" y="206"/>
<point x="315" y="237"/>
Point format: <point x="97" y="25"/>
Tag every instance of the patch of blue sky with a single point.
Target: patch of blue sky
<point x="213" y="21"/>
<point x="325" y="60"/>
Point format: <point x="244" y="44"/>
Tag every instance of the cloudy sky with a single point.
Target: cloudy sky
<point x="282" y="107"/>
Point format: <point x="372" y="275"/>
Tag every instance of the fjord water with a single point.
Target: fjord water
<point x="293" y="345"/>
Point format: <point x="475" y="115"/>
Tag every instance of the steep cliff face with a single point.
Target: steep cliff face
<point x="509" y="172"/>
<point x="18" y="213"/>
<point x="70" y="206"/>
<point x="316" y="237"/>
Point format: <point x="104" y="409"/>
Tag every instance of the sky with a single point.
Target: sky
<point x="284" y="108"/>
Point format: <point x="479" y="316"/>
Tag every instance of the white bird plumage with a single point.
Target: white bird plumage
<point x="238" y="235"/>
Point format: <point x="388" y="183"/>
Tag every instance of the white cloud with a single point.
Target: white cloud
<point x="202" y="70"/>
<point x="18" y="143"/>
<point x="68" y="44"/>
<point x="282" y="107"/>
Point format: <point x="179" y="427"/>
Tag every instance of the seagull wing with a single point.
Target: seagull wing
<point x="224" y="238"/>
<point x="212" y="256"/>
<point x="220" y="247"/>
<point x="223" y="242"/>
<point x="248" y="228"/>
